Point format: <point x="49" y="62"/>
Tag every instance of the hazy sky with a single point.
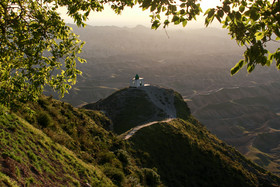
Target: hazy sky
<point x="135" y="16"/>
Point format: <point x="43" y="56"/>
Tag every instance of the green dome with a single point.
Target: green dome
<point x="136" y="77"/>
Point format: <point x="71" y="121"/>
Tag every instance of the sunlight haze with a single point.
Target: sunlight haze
<point x="132" y="17"/>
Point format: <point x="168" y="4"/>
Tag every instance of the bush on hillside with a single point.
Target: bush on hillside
<point x="44" y="119"/>
<point x="115" y="174"/>
<point x="43" y="102"/>
<point x="151" y="177"/>
<point x="105" y="157"/>
<point x="123" y="156"/>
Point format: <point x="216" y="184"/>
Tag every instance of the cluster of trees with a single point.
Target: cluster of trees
<point x="38" y="49"/>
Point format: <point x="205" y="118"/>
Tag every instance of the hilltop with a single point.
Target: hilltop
<point x="130" y="107"/>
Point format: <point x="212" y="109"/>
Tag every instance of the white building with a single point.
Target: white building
<point x="137" y="81"/>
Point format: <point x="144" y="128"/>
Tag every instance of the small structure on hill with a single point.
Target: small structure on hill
<point x="136" y="81"/>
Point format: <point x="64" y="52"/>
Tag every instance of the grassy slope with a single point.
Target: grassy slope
<point x="29" y="157"/>
<point x="64" y="145"/>
<point x="194" y="157"/>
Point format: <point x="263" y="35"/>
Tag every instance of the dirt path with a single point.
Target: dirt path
<point x="135" y="129"/>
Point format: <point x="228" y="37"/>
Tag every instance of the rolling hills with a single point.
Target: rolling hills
<point x="196" y="63"/>
<point x="245" y="117"/>
<point x="61" y="145"/>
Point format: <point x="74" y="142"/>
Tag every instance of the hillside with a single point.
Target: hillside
<point x="29" y="157"/>
<point x="55" y="144"/>
<point x="130" y="107"/>
<point x="186" y="154"/>
<point x="60" y="145"/>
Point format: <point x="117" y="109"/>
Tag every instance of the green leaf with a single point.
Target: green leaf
<point x="226" y="8"/>
<point x="211" y="13"/>
<point x="153" y="7"/>
<point x="184" y="23"/>
<point x="155" y="24"/>
<point x="207" y="11"/>
<point x="166" y="22"/>
<point x="244" y="3"/>
<point x="254" y="15"/>
<point x="259" y="35"/>
<point x="241" y="8"/>
<point x="218" y="18"/>
<point x="277" y="32"/>
<point x="270" y="56"/>
<point x="176" y="20"/>
<point x="237" y="67"/>
<point x="220" y="13"/>
<point x="250" y="68"/>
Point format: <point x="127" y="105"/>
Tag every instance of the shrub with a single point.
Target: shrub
<point x="105" y="157"/>
<point x="151" y="177"/>
<point x="44" y="119"/>
<point x="123" y="156"/>
<point x="29" y="118"/>
<point x="43" y="103"/>
<point x="115" y="174"/>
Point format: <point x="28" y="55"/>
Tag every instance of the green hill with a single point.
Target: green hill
<point x="63" y="146"/>
<point x="130" y="107"/>
<point x="186" y="154"/>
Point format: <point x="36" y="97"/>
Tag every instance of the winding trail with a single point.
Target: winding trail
<point x="135" y="129"/>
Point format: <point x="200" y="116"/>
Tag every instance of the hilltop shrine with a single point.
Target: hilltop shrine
<point x="137" y="81"/>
